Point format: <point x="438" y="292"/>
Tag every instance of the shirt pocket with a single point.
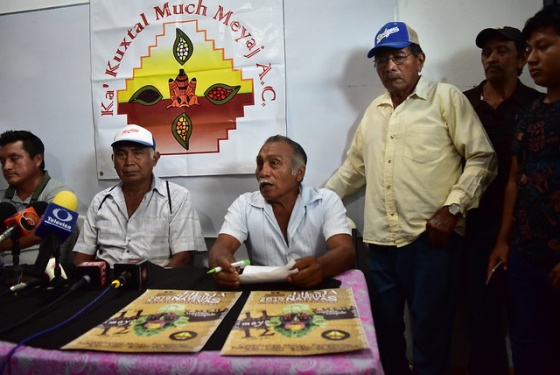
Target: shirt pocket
<point x="425" y="143"/>
<point x="153" y="233"/>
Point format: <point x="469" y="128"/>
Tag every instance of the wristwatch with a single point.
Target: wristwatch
<point x="455" y="210"/>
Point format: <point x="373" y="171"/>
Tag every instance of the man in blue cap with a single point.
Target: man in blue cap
<point x="425" y="160"/>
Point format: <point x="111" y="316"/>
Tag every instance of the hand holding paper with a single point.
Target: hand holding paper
<point x="267" y="274"/>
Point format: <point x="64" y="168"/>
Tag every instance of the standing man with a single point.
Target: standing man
<point x="22" y="155"/>
<point x="425" y="160"/>
<point x="496" y="101"/>
<point x="285" y="220"/>
<point x="143" y="217"/>
<point x="529" y="239"/>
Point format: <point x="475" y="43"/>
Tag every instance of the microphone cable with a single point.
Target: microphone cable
<point x="77" y="285"/>
<point x="10" y="354"/>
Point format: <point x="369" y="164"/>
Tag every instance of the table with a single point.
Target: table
<point x="32" y="360"/>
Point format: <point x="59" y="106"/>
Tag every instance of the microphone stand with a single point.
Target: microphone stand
<point x="15" y="256"/>
<point x="56" y="254"/>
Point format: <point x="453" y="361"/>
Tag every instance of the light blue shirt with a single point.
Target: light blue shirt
<point x="317" y="215"/>
<point x="152" y="232"/>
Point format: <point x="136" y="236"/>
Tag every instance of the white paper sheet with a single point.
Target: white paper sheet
<point x="267" y="274"/>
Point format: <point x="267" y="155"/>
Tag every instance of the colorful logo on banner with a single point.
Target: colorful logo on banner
<point x="191" y="74"/>
<point x="179" y="103"/>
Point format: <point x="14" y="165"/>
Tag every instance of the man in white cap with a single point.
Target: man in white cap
<point x="424" y="159"/>
<point x="143" y="217"/>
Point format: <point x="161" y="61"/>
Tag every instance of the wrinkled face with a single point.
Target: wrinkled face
<point x="500" y="61"/>
<point x="543" y="58"/>
<point x="274" y="171"/>
<point x="134" y="163"/>
<point x="398" y="69"/>
<point x="17" y="166"/>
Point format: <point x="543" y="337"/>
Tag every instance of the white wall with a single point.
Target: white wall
<point x="45" y="75"/>
<point x="447" y="30"/>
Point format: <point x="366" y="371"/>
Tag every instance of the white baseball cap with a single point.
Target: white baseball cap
<point x="135" y="133"/>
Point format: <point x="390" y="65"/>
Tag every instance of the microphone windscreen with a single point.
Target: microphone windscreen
<point x="96" y="271"/>
<point x="39" y="207"/>
<point x="66" y="199"/>
<point x="6" y="210"/>
<point x="24" y="222"/>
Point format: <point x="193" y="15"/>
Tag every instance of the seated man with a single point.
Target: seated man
<point x="285" y="221"/>
<point x="22" y="155"/>
<point x="143" y="217"/>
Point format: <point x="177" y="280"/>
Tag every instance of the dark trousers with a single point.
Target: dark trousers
<point x="426" y="278"/>
<point x="486" y="304"/>
<point x="535" y="317"/>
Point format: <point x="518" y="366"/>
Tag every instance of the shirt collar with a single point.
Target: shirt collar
<point x="307" y="195"/>
<point x="158" y="186"/>
<point x="420" y="91"/>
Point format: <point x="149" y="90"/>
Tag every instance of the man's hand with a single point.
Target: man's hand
<point x="555" y="277"/>
<point x="228" y="277"/>
<point x="440" y="226"/>
<point x="499" y="254"/>
<point x="181" y="259"/>
<point x="221" y="255"/>
<point x="310" y="273"/>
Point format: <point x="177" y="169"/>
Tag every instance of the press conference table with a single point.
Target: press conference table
<point x="42" y="357"/>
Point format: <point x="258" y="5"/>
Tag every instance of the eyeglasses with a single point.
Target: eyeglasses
<point x="381" y="62"/>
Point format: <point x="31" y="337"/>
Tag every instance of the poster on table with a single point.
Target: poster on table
<point x="160" y="321"/>
<point x="206" y="77"/>
<point x="297" y="323"/>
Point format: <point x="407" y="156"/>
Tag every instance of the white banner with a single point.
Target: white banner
<point x="207" y="78"/>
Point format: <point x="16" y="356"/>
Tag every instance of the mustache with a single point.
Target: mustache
<point x="264" y="181"/>
<point x="494" y="66"/>
<point x="391" y="76"/>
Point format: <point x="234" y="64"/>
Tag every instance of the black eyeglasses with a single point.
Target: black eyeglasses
<point x="381" y="62"/>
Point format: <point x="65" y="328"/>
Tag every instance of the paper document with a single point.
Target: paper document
<point x="267" y="274"/>
<point x="160" y="320"/>
<point x="299" y="322"/>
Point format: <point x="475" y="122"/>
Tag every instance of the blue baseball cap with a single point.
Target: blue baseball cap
<point x="394" y="35"/>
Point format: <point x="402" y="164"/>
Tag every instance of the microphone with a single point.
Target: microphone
<point x="6" y="210"/>
<point x="95" y="272"/>
<point x="23" y="223"/>
<point x="47" y="277"/>
<point x="60" y="216"/>
<point x="56" y="226"/>
<point x="132" y="274"/>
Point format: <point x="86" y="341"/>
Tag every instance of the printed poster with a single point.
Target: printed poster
<point x="206" y="77"/>
<point x="160" y="321"/>
<point x="297" y="323"/>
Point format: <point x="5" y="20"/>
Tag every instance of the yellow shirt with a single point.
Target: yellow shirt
<point x="411" y="160"/>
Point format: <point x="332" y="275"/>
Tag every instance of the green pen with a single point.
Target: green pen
<point x="235" y="264"/>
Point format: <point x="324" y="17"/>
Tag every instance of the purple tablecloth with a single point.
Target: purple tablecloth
<point x="28" y="360"/>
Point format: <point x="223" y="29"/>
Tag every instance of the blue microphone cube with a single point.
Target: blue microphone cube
<point x="58" y="221"/>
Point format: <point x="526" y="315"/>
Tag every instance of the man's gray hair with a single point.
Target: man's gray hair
<point x="300" y="157"/>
